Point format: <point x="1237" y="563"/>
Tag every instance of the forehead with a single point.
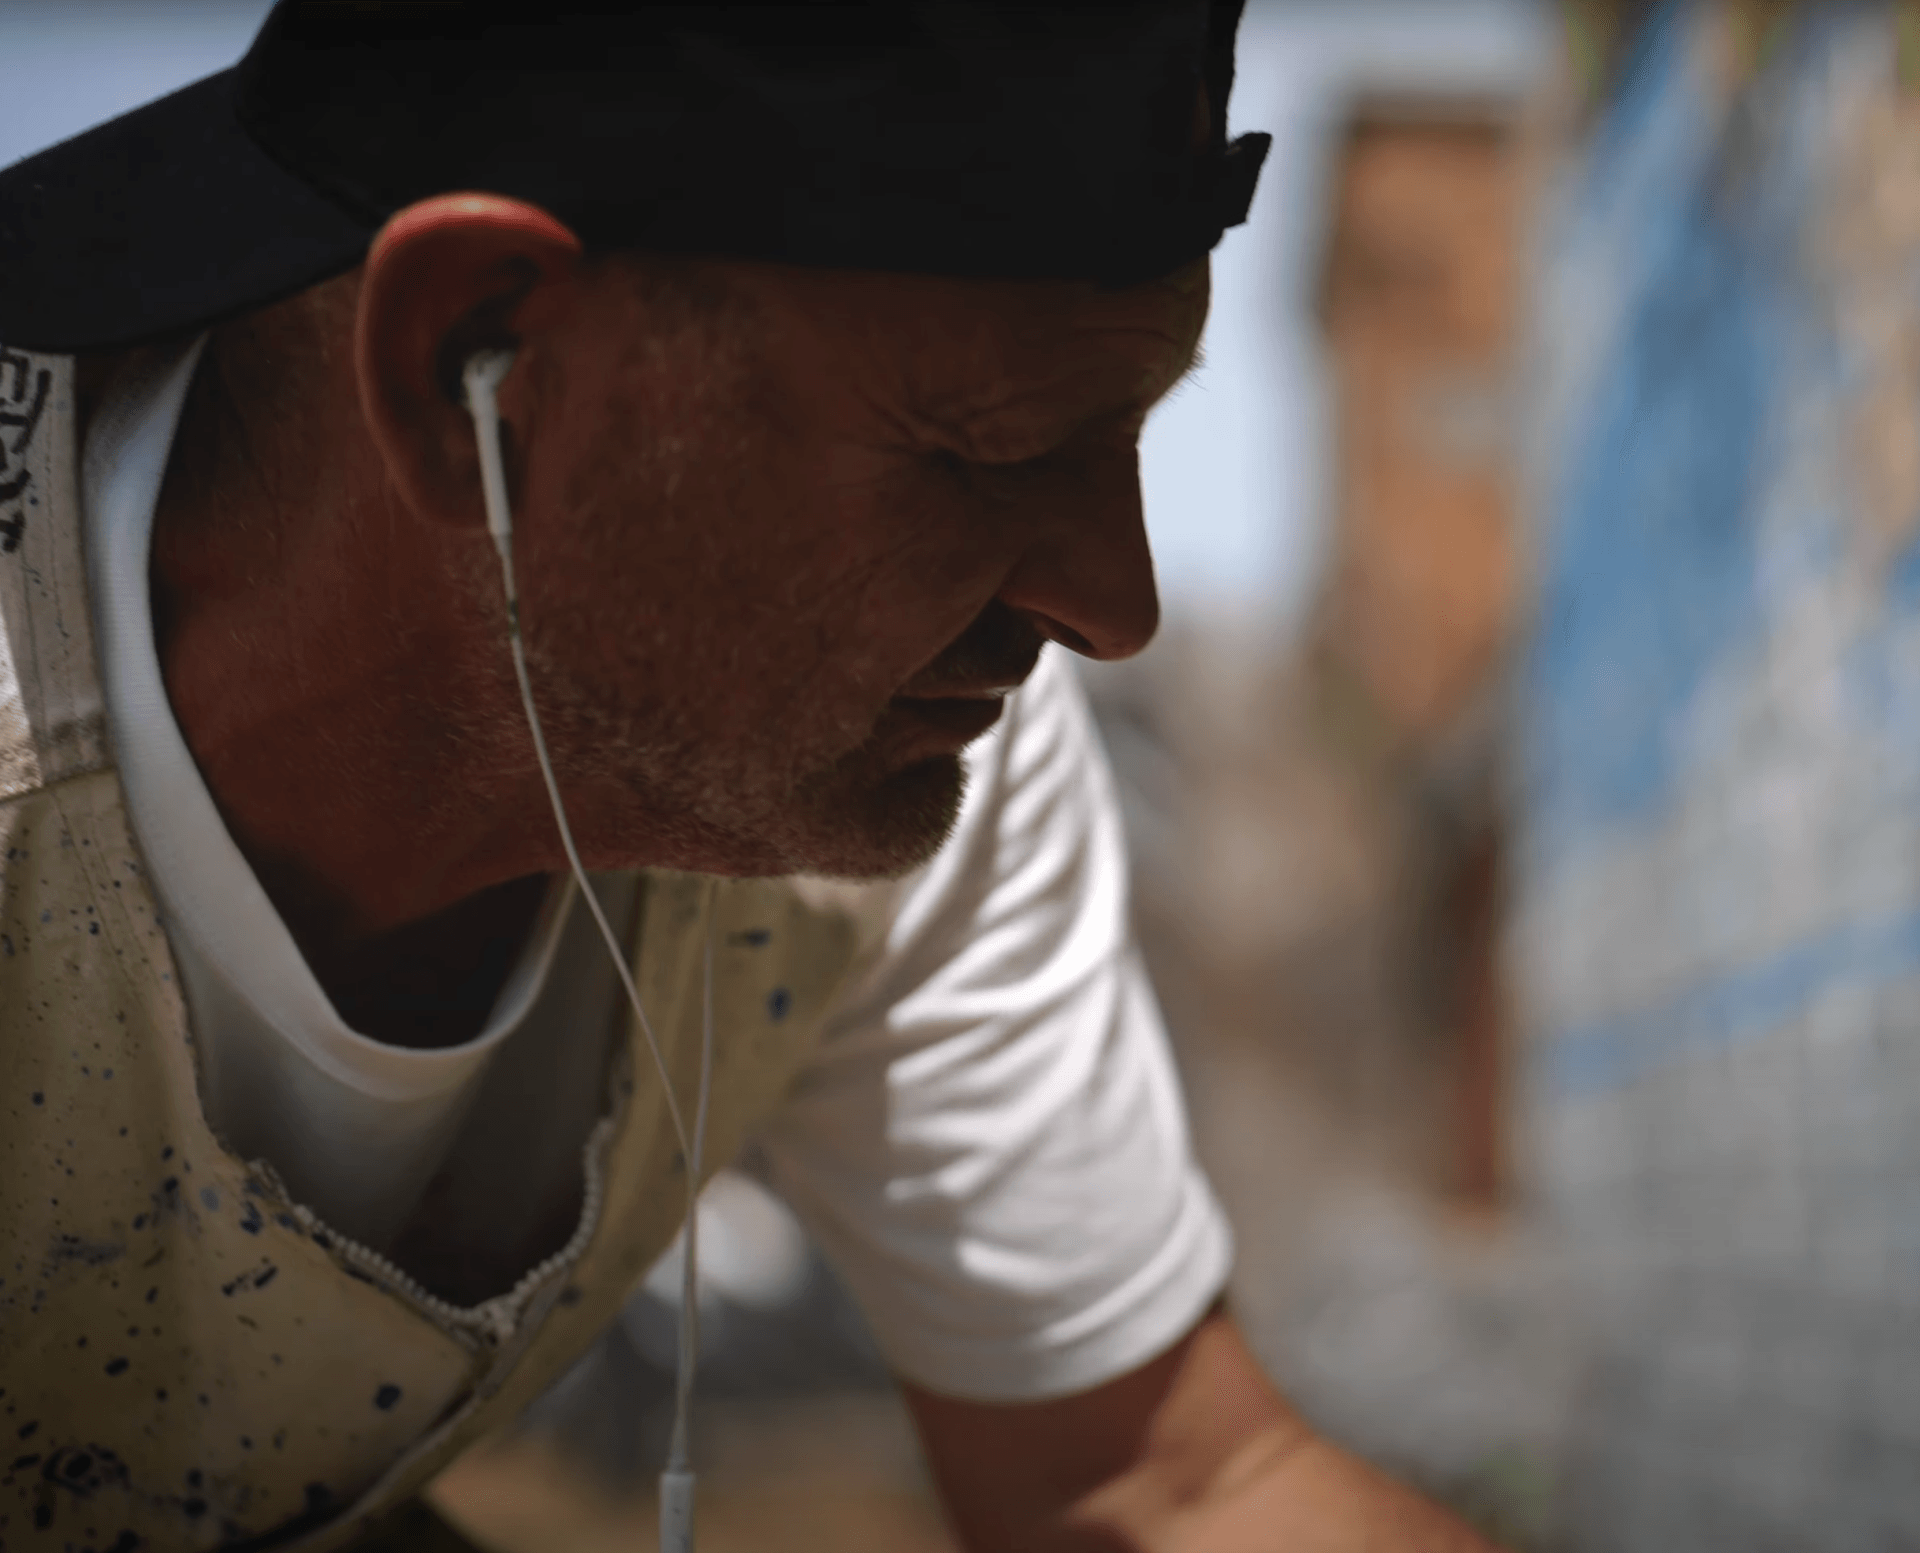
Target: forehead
<point x="988" y="362"/>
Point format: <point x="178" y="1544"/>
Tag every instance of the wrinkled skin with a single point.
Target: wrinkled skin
<point x="783" y="538"/>
<point x="898" y="488"/>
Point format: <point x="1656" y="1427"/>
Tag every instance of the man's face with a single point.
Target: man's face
<point x="783" y="551"/>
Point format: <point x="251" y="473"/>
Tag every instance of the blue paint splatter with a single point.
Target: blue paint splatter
<point x="779" y="1003"/>
<point x="1651" y="572"/>
<point x="1650" y="578"/>
<point x="1754" y="1001"/>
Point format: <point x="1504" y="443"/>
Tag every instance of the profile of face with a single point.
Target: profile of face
<point x="784" y="538"/>
<point x="784" y="557"/>
<point x="787" y="536"/>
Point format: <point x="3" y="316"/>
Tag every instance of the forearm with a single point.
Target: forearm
<point x="1194" y="1452"/>
<point x="1285" y="1492"/>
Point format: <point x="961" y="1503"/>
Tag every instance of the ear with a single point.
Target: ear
<point x="444" y="278"/>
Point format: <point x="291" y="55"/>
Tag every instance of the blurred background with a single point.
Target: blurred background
<point x="1525" y="794"/>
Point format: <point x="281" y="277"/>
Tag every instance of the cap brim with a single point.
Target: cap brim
<point x="165" y="220"/>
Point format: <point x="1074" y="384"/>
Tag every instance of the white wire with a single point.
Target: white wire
<point x="481" y="377"/>
<point x="689" y="1268"/>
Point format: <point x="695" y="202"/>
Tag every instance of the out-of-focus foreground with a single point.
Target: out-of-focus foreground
<point x="1536" y="907"/>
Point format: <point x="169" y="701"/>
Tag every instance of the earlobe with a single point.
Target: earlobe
<point x="446" y="277"/>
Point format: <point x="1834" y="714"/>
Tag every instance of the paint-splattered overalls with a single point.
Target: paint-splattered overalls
<point x="188" y="1359"/>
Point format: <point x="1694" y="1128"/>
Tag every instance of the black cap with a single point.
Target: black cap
<point x="951" y="137"/>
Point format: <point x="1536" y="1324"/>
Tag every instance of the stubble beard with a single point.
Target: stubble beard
<point x="855" y="813"/>
<point x="851" y="825"/>
<point x="746" y="812"/>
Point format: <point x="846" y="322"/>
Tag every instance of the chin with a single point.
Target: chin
<point x="849" y="828"/>
<point x="853" y="820"/>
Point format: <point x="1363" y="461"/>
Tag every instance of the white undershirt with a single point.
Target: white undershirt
<point x="990" y="1146"/>
<point x="355" y="1127"/>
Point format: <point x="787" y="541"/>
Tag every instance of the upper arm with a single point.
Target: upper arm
<point x="991" y="1146"/>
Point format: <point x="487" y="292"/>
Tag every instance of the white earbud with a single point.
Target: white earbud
<point x="480" y="377"/>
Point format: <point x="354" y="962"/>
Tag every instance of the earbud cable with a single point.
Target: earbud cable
<point x="481" y="377"/>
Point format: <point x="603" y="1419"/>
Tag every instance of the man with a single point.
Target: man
<point x="833" y="331"/>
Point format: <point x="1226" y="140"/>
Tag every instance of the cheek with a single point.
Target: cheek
<point x="893" y="564"/>
<point x="775" y="596"/>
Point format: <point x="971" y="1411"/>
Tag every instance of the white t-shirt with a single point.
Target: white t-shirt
<point x="990" y="1145"/>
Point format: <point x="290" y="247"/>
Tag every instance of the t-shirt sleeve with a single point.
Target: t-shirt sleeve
<point x="991" y="1144"/>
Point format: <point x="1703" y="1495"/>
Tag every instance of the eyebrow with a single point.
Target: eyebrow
<point x="1070" y="424"/>
<point x="1196" y="360"/>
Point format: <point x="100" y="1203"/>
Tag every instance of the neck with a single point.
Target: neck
<point x="349" y="703"/>
<point x="431" y="983"/>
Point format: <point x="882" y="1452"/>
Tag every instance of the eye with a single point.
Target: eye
<point x="999" y="480"/>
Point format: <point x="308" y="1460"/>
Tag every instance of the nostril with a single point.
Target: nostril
<point x="1065" y="635"/>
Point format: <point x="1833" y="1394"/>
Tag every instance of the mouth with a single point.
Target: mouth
<point x="954" y="719"/>
<point x="960" y="693"/>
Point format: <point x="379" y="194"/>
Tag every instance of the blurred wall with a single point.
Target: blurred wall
<point x="1238" y="466"/>
<point x="1420" y="290"/>
<point x="1717" y="909"/>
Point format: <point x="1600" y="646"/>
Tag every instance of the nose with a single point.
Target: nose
<point x="1086" y="582"/>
